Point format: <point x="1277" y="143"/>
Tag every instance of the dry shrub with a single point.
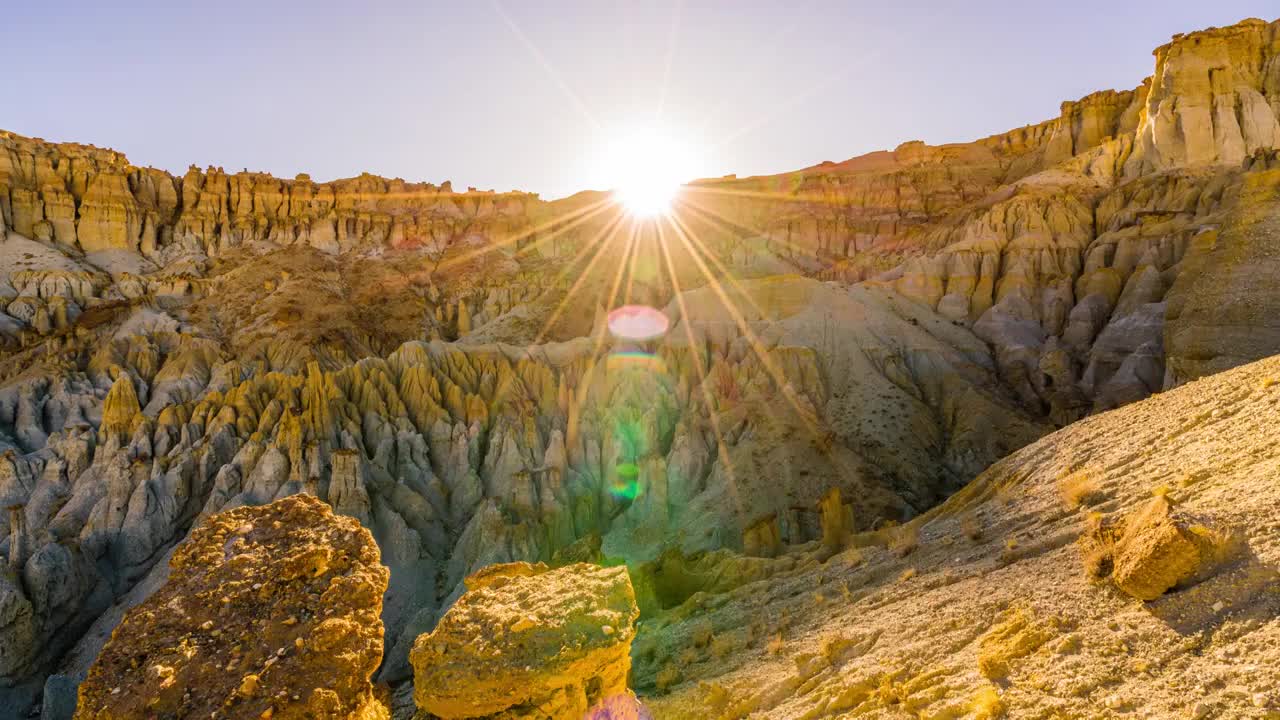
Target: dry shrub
<point x="715" y="695"/>
<point x="1079" y="489"/>
<point x="972" y="528"/>
<point x="776" y="645"/>
<point x="987" y="704"/>
<point x="833" y="646"/>
<point x="702" y="633"/>
<point x="723" y="645"/>
<point x="904" y="540"/>
<point x="1009" y="554"/>
<point x="667" y="677"/>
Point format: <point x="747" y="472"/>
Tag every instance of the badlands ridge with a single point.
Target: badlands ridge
<point x="895" y="456"/>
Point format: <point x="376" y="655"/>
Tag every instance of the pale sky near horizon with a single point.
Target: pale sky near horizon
<point x="521" y="95"/>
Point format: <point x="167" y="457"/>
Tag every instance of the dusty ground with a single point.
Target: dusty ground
<point x="992" y="613"/>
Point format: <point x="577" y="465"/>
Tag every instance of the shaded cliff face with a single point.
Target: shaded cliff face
<point x="849" y="344"/>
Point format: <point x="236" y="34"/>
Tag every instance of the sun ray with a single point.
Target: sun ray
<point x="671" y="54"/>
<point x="545" y="64"/>
<point x="574" y="219"/>
<point x="764" y="195"/>
<point x="753" y="341"/>
<point x="716" y="217"/>
<point x="613" y="293"/>
<point x="784" y="106"/>
<point x="599" y="243"/>
<point x="695" y="359"/>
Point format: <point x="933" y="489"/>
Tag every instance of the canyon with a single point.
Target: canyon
<point x="873" y="369"/>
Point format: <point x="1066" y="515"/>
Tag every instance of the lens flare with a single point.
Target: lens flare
<point x="619" y="707"/>
<point x="638" y="323"/>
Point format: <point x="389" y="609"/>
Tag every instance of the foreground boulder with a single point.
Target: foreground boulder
<point x="269" y="612"/>
<point x="525" y="641"/>
<point x="1155" y="549"/>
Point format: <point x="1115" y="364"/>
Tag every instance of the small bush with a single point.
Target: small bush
<point x="715" y="695"/>
<point x="972" y="528"/>
<point x="1079" y="489"/>
<point x="833" y="646"/>
<point x="776" y="645"/>
<point x="905" y="540"/>
<point x="987" y="704"/>
<point x="702" y="633"/>
<point x="722" y="646"/>
<point x="667" y="677"/>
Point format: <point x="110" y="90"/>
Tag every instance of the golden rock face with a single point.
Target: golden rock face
<point x="268" y="612"/>
<point x="525" y="641"/>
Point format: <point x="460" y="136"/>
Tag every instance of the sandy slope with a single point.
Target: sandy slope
<point x="871" y="634"/>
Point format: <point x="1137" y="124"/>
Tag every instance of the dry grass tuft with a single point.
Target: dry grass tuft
<point x="904" y="540"/>
<point x="833" y="646"/>
<point x="715" y="695"/>
<point x="702" y="633"/>
<point x="972" y="528"/>
<point x="666" y="678"/>
<point x="722" y="645"/>
<point x="1080" y="489"/>
<point x="776" y="645"/>
<point x="987" y="704"/>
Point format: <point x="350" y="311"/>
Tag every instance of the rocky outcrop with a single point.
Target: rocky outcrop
<point x="1155" y="549"/>
<point x="525" y="641"/>
<point x="1214" y="99"/>
<point x="91" y="199"/>
<point x="267" y="612"/>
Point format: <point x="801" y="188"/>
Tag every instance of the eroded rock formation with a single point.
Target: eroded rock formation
<point x="267" y="612"/>
<point x="526" y="641"/>
<point x="850" y="344"/>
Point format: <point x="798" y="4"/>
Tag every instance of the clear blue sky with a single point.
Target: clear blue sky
<point x="455" y="90"/>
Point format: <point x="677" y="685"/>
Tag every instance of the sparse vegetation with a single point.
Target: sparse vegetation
<point x="722" y="645"/>
<point x="667" y="678"/>
<point x="904" y="540"/>
<point x="833" y="646"/>
<point x="776" y="645"/>
<point x="972" y="528"/>
<point x="715" y="695"/>
<point x="987" y="704"/>
<point x="1080" y="489"/>
<point x="702" y="633"/>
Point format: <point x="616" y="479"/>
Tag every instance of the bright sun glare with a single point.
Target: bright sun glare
<point x="649" y="168"/>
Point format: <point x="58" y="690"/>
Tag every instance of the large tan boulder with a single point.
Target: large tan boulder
<point x="269" y="612"/>
<point x="525" y="641"/>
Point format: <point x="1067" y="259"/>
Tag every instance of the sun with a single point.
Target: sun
<point x="648" y="167"/>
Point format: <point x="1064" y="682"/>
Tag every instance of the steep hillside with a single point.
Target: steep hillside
<point x="991" y="603"/>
